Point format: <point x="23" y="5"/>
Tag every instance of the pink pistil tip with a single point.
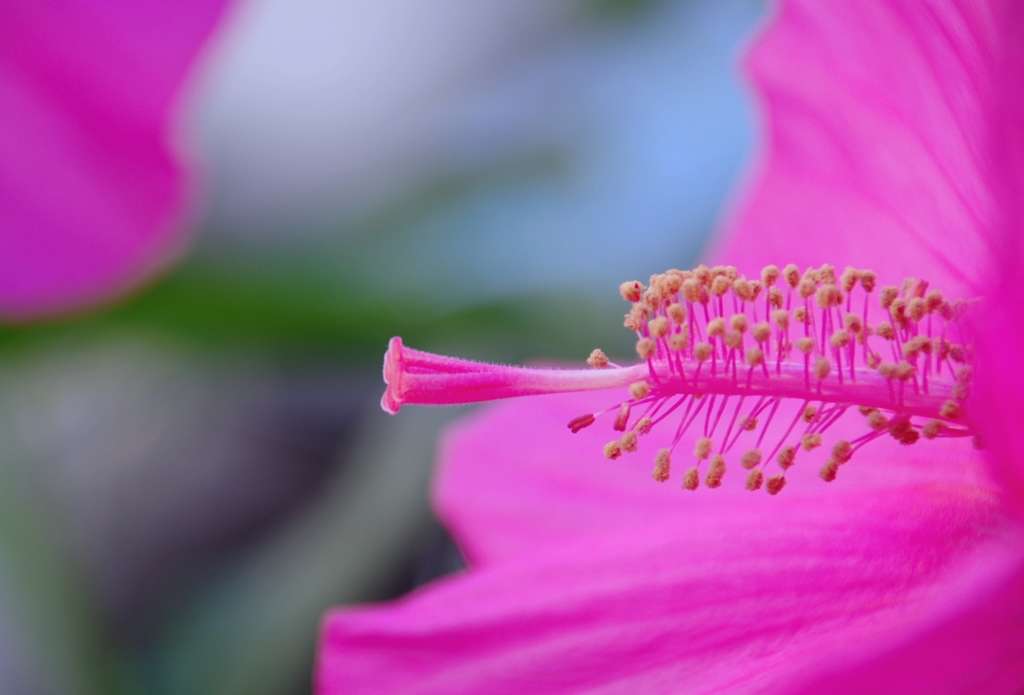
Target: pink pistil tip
<point x="722" y="353"/>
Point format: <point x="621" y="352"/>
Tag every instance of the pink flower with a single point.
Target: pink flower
<point x="895" y="143"/>
<point x="94" y="191"/>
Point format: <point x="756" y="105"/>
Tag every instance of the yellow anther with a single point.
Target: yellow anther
<point x="829" y="470"/>
<point x="748" y="424"/>
<point x="805" y="345"/>
<point x="643" y="426"/>
<point x="628" y="442"/>
<point x="965" y="374"/>
<point x="916" y="309"/>
<point x="671" y="282"/>
<point x="826" y="274"/>
<point x="691" y="479"/>
<point x="905" y="371"/>
<point x="739" y="322"/>
<point x="658" y="327"/>
<point x="781" y="318"/>
<point x="639" y="389"/>
<point x="842" y="451"/>
<point x="849" y="278"/>
<point x="658" y="285"/>
<point x="932" y="428"/>
<point x="822" y="368"/>
<point x="733" y="339"/>
<point x="915" y="346"/>
<point x="786" y="457"/>
<point x="702" y="274"/>
<point x="828" y="296"/>
<point x="903" y="432"/>
<point x="775" y="297"/>
<point x="662" y="466"/>
<point x="755" y="356"/>
<point x="853" y="323"/>
<point x="632" y="323"/>
<point x="807" y="287"/>
<point x="631" y="291"/>
<point x="716" y="471"/>
<point x="728" y="271"/>
<point x="691" y="290"/>
<point x="887" y="370"/>
<point x="878" y="422"/>
<point x="899" y="312"/>
<point x="840" y="338"/>
<point x="800" y="314"/>
<point x="598" y="359"/>
<point x="641" y="312"/>
<point x="886" y="331"/>
<point x="810" y="441"/>
<point x="742" y="289"/>
<point x="652" y="298"/>
<point x="754" y="480"/>
<point x="720" y="285"/>
<point x="868" y="280"/>
<point x="956" y="351"/>
<point x="961" y="391"/>
<point x="762" y="331"/>
<point x="750" y="458"/>
<point x="933" y="300"/>
<point x="792" y="275"/>
<point x="888" y="296"/>
<point x="810" y="414"/>
<point x="769" y="275"/>
<point x="755" y="289"/>
<point x="950" y="410"/>
<point x="775" y="484"/>
<point x="703" y="448"/>
<point x="865" y="410"/>
<point x="678" y="342"/>
<point x="676" y="312"/>
<point x="716" y="327"/>
<point x="702" y="351"/>
<point x="612" y="450"/>
<point x="645" y="348"/>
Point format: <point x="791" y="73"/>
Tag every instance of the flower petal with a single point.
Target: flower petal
<point x="1000" y="392"/>
<point x="93" y="193"/>
<point x="513" y="478"/>
<point x="740" y="600"/>
<point x="877" y="142"/>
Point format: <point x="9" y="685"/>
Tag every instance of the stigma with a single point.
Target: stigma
<point x="720" y="355"/>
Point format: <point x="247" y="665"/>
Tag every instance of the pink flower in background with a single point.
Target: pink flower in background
<point x="95" y="194"/>
<point x="895" y="142"/>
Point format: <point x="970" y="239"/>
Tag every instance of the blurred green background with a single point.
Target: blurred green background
<point x="192" y="476"/>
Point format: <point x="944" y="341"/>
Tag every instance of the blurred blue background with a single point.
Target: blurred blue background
<point x="191" y="477"/>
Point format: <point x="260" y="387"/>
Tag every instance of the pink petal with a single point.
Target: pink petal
<point x="877" y="147"/>
<point x="1000" y="390"/>
<point x="512" y="477"/>
<point x="93" y="190"/>
<point x="737" y="599"/>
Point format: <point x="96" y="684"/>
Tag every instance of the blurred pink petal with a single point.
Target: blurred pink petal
<point x="877" y="141"/>
<point x="95" y="194"/>
<point x="1001" y="389"/>
<point x="895" y="143"/>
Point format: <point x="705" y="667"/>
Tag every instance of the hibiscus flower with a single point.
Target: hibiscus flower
<point x="894" y="142"/>
<point x="95" y="191"/>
